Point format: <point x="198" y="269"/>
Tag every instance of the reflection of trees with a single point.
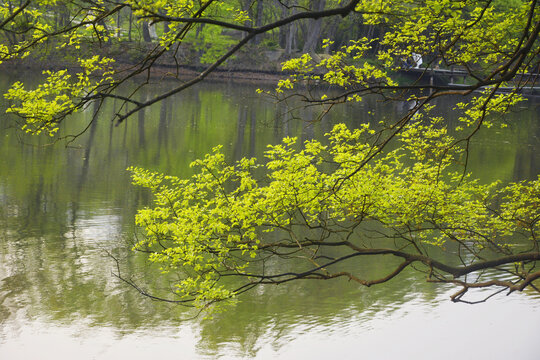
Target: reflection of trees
<point x="61" y="206"/>
<point x="276" y="312"/>
<point x="140" y="122"/>
<point x="527" y="160"/>
<point x="252" y="134"/>
<point x="308" y="124"/>
<point x="240" y="133"/>
<point x="281" y="122"/>
<point x="63" y="273"/>
<point x="87" y="151"/>
<point x="245" y="113"/>
<point x="162" y="138"/>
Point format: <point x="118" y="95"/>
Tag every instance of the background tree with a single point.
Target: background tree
<point x="397" y="190"/>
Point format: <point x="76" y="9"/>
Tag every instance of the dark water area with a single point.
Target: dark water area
<point x="65" y="207"/>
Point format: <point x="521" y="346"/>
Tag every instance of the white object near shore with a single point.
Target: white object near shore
<point x="417" y="58"/>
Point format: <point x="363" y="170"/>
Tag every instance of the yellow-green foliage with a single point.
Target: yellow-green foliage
<point x="346" y="68"/>
<point x="445" y="32"/>
<point x="465" y="32"/>
<point x="220" y="221"/>
<point x="210" y="40"/>
<point x="59" y="94"/>
<point x="478" y="108"/>
<point x="222" y="218"/>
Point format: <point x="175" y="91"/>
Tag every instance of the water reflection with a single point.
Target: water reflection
<point x="63" y="209"/>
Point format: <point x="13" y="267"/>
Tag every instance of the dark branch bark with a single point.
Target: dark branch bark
<point x="14" y="14"/>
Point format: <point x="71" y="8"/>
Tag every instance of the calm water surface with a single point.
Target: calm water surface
<point x="63" y="209"/>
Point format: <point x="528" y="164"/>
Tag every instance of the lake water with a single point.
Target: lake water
<point x="63" y="209"/>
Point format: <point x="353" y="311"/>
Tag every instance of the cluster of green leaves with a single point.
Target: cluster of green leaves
<point x="31" y="29"/>
<point x="210" y="40"/>
<point x="478" y="110"/>
<point x="466" y="33"/>
<point x="472" y="32"/>
<point x="64" y="93"/>
<point x="23" y="19"/>
<point x="477" y="35"/>
<point x="218" y="222"/>
<point x="60" y="94"/>
<point x="346" y="68"/>
<point x="211" y="43"/>
<point x="34" y="24"/>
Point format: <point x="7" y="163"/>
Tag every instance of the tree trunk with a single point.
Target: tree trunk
<point x="331" y="34"/>
<point x="259" y="20"/>
<point x="118" y="27"/>
<point x="314" y="29"/>
<point x="146" y="32"/>
<point x="130" y="24"/>
<point x="292" y="29"/>
<point x="282" y="31"/>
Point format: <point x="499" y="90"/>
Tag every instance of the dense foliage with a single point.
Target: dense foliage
<point x="400" y="189"/>
<point x="409" y="203"/>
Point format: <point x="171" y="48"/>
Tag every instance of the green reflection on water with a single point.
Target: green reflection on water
<point x="63" y="208"/>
